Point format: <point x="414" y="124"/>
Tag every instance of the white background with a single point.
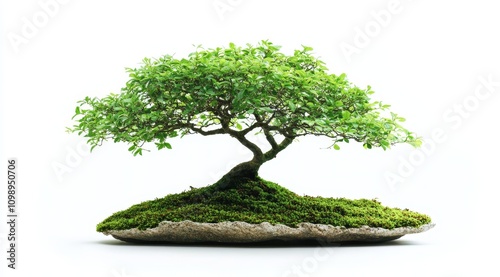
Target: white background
<point x="424" y="58"/>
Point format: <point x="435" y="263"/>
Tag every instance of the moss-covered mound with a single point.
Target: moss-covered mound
<point x="260" y="201"/>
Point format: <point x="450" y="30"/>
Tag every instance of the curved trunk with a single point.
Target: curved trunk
<point x="241" y="173"/>
<point x="248" y="171"/>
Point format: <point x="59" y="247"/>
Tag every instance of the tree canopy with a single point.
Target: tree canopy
<point x="238" y="91"/>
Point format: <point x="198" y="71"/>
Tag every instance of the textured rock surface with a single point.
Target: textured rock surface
<point x="242" y="232"/>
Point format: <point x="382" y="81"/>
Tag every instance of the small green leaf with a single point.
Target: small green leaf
<point x="161" y="145"/>
<point x="385" y="143"/>
<point x="336" y="147"/>
<point x="307" y="48"/>
<point x="138" y="151"/>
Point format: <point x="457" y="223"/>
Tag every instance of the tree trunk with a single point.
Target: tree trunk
<point x="248" y="171"/>
<point x="239" y="174"/>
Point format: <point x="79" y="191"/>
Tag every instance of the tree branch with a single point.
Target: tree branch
<point x="271" y="154"/>
<point x="267" y="130"/>
<point x="270" y="138"/>
<point x="207" y="133"/>
<point x="240" y="136"/>
<point x="249" y="129"/>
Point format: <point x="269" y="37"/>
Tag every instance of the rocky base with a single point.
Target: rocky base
<point x="242" y="232"/>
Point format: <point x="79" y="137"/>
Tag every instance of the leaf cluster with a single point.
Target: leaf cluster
<point x="236" y="90"/>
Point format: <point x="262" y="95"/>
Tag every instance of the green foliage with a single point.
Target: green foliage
<point x="260" y="201"/>
<point x="233" y="91"/>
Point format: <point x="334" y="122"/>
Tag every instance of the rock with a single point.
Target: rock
<point x="242" y="232"/>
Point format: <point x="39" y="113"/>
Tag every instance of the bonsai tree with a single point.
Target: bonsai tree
<point x="238" y="91"/>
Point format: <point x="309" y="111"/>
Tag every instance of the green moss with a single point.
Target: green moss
<point x="257" y="202"/>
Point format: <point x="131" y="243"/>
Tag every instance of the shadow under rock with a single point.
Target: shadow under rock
<point x="264" y="244"/>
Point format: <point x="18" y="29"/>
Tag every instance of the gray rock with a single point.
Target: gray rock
<point x="242" y="232"/>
